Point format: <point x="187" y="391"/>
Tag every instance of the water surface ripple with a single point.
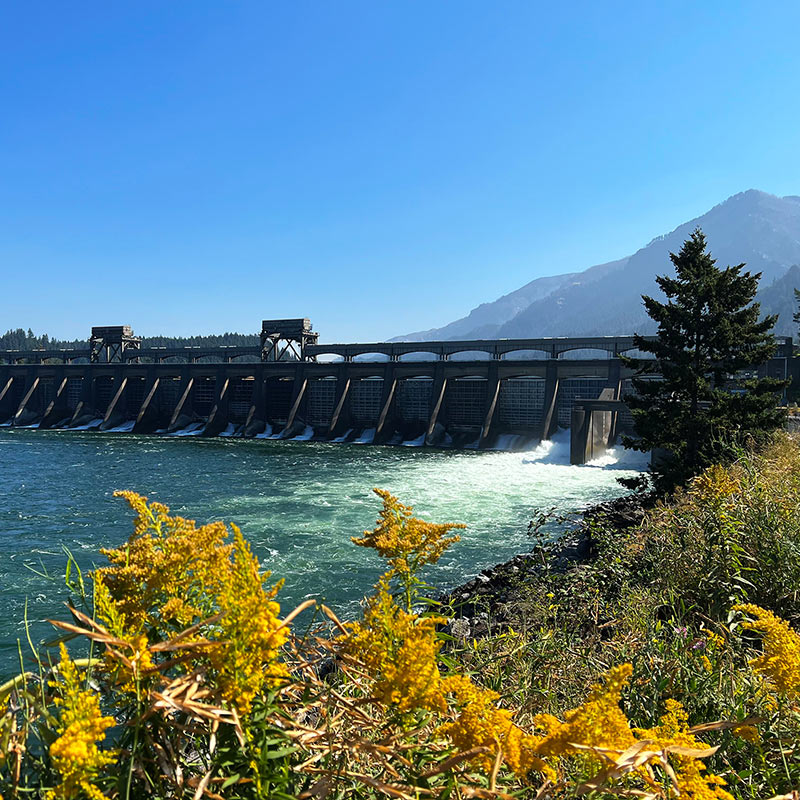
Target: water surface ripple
<point x="297" y="502"/>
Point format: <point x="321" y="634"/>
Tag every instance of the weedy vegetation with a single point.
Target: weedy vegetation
<point x="667" y="665"/>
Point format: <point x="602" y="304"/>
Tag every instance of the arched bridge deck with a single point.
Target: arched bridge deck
<point x="419" y="391"/>
<point x="553" y="347"/>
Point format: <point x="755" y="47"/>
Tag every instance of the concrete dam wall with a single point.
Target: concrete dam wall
<point x="496" y="394"/>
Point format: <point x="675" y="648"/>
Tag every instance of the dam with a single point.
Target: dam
<point x="487" y="394"/>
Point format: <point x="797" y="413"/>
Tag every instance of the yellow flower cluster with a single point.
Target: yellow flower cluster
<point x="692" y="781"/>
<point x="80" y="727"/>
<point x="597" y="730"/>
<point x="747" y="732"/>
<point x="399" y="649"/>
<point x="406" y="542"/>
<point x="481" y="724"/>
<point x="172" y="574"/>
<point x="246" y="660"/>
<point x="129" y="672"/>
<point x="163" y="574"/>
<point x="598" y="722"/>
<point x="715" y="483"/>
<point x="780" y="661"/>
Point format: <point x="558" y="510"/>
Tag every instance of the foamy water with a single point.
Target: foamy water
<point x="298" y="502"/>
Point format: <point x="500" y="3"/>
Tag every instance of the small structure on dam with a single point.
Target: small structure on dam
<point x="506" y="393"/>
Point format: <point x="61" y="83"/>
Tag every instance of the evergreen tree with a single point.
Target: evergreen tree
<point x="708" y="330"/>
<point x="796" y="315"/>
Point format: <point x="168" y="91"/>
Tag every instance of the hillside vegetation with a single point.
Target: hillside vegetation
<point x="666" y="665"/>
<point x="21" y="339"/>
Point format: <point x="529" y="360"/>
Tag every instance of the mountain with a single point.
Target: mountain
<point x="778" y="298"/>
<point x="755" y="227"/>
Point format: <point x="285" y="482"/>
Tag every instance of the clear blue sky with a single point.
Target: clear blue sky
<point x="193" y="167"/>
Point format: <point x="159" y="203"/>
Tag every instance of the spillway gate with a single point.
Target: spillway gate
<point x="506" y="393"/>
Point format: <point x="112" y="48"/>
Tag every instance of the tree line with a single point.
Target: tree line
<point x="20" y="339"/>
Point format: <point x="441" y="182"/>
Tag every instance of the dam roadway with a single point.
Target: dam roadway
<point x="475" y="393"/>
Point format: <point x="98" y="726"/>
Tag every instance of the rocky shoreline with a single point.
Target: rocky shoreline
<point x="488" y="602"/>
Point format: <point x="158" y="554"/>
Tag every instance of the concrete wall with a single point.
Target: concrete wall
<point x="454" y="403"/>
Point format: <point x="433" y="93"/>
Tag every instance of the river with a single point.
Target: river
<point x="297" y="502"/>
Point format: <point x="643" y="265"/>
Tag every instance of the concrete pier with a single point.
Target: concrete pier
<point x="479" y="394"/>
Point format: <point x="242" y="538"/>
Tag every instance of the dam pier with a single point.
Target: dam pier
<point x="504" y="393"/>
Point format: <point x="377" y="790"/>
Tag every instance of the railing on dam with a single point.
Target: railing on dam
<point x="550" y="347"/>
<point x="393" y="351"/>
<point x="285" y="390"/>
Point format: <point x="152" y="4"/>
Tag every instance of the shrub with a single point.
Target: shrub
<point x="668" y="650"/>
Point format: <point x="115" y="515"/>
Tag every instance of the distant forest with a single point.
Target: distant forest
<point x="21" y="339"/>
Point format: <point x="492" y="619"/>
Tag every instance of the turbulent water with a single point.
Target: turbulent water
<point x="297" y="502"/>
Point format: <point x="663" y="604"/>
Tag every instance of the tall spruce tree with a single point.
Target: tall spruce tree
<point x="708" y="330"/>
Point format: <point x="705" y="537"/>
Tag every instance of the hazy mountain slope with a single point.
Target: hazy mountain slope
<point x="758" y="228"/>
<point x="488" y="317"/>
<point x="484" y="321"/>
<point x="778" y="298"/>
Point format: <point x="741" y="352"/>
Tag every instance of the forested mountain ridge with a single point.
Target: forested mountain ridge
<point x="754" y="227"/>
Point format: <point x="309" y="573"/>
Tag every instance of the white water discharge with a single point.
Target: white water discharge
<point x="297" y="502"/>
<point x="192" y="429"/>
<point x="509" y="442"/>
<point x="266" y="433"/>
<point x="343" y="438"/>
<point x="367" y="437"/>
<point x="230" y="430"/>
<point x="619" y="458"/>
<point x="418" y="442"/>
<point x="555" y="452"/>
<point x="305" y="436"/>
<point x="125" y="427"/>
<point x="95" y="423"/>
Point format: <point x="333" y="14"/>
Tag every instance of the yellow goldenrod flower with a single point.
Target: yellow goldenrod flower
<point x="168" y="572"/>
<point x="252" y="634"/>
<point x="172" y="574"/>
<point x="399" y="649"/>
<point x="747" y="732"/>
<point x="693" y="782"/>
<point x="780" y="661"/>
<point x="481" y="724"/>
<point x="598" y="722"/>
<point x="714" y="484"/>
<point x="80" y="727"/>
<point x="406" y="542"/>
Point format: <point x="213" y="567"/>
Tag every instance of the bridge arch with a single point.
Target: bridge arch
<point x="470" y="355"/>
<point x="415" y="355"/>
<point x="634" y="353"/>
<point x="579" y="353"/>
<point x="525" y="355"/>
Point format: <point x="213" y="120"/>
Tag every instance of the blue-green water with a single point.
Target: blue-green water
<point x="297" y="502"/>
